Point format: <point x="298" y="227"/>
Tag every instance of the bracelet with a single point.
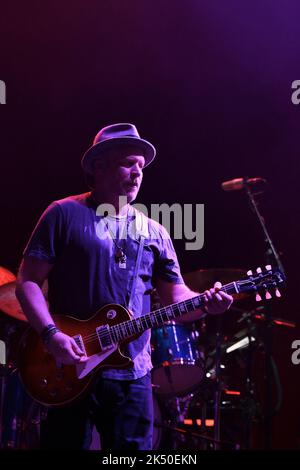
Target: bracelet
<point x="48" y="332"/>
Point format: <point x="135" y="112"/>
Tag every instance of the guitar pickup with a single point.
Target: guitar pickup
<point x="79" y="342"/>
<point x="104" y="337"/>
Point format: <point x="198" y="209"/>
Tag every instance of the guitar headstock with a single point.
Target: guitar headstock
<point x="264" y="282"/>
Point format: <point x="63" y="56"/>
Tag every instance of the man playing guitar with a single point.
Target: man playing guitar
<point x="87" y="270"/>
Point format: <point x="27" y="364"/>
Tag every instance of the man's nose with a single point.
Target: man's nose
<point x="136" y="171"/>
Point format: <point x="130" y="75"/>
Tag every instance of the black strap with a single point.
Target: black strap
<point x="136" y="271"/>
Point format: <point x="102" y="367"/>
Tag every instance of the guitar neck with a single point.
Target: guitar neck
<point x="158" y="317"/>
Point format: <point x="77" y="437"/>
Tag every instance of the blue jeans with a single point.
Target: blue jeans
<point x="122" y="412"/>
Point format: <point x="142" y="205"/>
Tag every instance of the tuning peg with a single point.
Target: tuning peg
<point x="249" y="273"/>
<point x="277" y="293"/>
<point x="268" y="295"/>
<point x="258" y="298"/>
<point x="268" y="267"/>
<point x="258" y="270"/>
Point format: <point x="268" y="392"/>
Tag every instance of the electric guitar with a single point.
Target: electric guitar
<point x="103" y="337"/>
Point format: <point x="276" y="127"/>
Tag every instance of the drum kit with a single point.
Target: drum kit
<point x="15" y="405"/>
<point x="185" y="377"/>
<point x="192" y="395"/>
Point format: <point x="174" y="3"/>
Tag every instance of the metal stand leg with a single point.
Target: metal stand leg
<point x="2" y="380"/>
<point x="217" y="397"/>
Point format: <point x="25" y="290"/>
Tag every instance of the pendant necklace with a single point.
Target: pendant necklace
<point x="120" y="255"/>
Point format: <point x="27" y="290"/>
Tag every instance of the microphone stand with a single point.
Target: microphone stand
<point x="217" y="398"/>
<point x="271" y="253"/>
<point x="272" y="256"/>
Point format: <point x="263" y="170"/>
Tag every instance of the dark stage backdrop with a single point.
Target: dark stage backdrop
<point x="208" y="82"/>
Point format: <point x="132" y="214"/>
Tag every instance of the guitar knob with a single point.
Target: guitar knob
<point x="258" y="298"/>
<point x="258" y="270"/>
<point x="44" y="383"/>
<point x="249" y="273"/>
<point x="268" y="295"/>
<point x="268" y="267"/>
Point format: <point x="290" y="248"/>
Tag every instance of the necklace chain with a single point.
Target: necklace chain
<point x="120" y="254"/>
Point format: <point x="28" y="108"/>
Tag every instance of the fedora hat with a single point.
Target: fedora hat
<point x="114" y="136"/>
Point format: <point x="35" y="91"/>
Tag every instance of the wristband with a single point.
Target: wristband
<point x="48" y="332"/>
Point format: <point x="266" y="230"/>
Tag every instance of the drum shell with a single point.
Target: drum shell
<point x="178" y="361"/>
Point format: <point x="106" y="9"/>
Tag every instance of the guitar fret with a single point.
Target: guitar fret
<point x="120" y="332"/>
<point x="160" y="312"/>
<point x="127" y="328"/>
<point x="168" y="312"/>
<point x="163" y="316"/>
<point x="144" y="322"/>
<point x="113" y="335"/>
<point x="196" y="302"/>
<point x="135" y="327"/>
<point x="181" y="308"/>
<point x="138" y="324"/>
<point x="131" y="328"/>
<point x="123" y="330"/>
<point x="176" y="311"/>
<point x="117" y="332"/>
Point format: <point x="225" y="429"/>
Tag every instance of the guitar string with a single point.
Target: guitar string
<point x="119" y="326"/>
<point x="226" y="288"/>
<point x="93" y="336"/>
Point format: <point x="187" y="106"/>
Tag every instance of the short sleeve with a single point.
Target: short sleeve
<point x="45" y="241"/>
<point x="167" y="265"/>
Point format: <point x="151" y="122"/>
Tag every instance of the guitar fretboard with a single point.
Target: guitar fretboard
<point x="158" y="317"/>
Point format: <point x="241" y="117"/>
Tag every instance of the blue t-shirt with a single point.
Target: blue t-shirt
<point x="86" y="276"/>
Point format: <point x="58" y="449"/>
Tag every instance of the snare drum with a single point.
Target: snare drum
<point x="177" y="359"/>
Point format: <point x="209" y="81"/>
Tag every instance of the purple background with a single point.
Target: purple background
<point x="208" y="82"/>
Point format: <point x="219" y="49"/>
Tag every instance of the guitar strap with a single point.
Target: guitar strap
<point x="142" y="232"/>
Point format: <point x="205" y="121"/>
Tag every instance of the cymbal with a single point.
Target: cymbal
<point x="9" y="303"/>
<point x="204" y="279"/>
<point x="6" y="276"/>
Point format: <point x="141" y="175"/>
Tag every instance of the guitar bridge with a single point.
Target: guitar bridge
<point x="104" y="337"/>
<point x="79" y="342"/>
